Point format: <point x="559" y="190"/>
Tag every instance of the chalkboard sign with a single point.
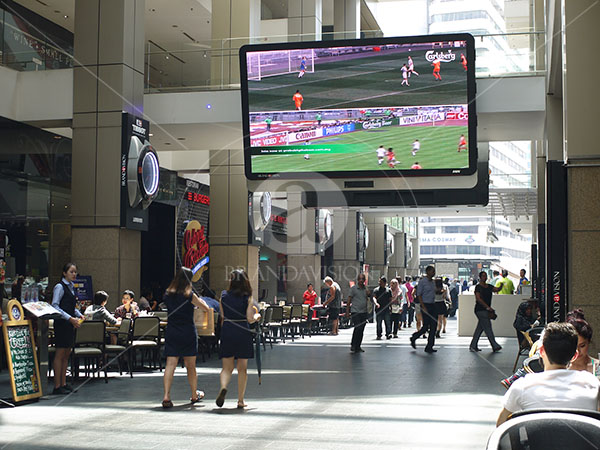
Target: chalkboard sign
<point x="21" y="355"/>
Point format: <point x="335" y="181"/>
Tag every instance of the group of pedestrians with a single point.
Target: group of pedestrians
<point x="393" y="307"/>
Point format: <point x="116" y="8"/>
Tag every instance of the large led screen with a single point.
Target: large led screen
<point x="383" y="107"/>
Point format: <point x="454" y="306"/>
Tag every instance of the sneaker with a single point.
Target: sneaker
<point x="389" y="336"/>
<point x="395" y="336"/>
<point x="497" y="349"/>
<point x="378" y="338"/>
<point x="413" y="342"/>
<point x="474" y="349"/>
<point x="507" y="382"/>
<point x="68" y="388"/>
<point x="359" y="350"/>
<point x="430" y="350"/>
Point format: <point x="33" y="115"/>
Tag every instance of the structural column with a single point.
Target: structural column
<point x="305" y="20"/>
<point x="346" y="265"/>
<point x="228" y="221"/>
<point x="346" y="19"/>
<point x="234" y="23"/>
<point x="303" y="264"/>
<point x="375" y="251"/>
<point x="582" y="155"/>
<point x="108" y="78"/>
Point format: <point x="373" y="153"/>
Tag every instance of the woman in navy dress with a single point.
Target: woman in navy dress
<point x="237" y="312"/>
<point x="181" y="337"/>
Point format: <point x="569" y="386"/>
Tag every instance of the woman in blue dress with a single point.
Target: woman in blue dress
<point x="237" y="312"/>
<point x="181" y="337"/>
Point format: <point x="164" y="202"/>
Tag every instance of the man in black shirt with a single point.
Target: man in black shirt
<point x="382" y="297"/>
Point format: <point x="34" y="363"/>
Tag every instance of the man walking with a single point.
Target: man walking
<point x="357" y="305"/>
<point x="382" y="297"/>
<point x="426" y="298"/>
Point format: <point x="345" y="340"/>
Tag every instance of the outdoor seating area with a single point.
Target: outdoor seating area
<point x="137" y="344"/>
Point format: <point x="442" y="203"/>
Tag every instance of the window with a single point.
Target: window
<point x="428" y="230"/>
<point x="461" y="229"/>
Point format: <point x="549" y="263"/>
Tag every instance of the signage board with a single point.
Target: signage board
<point x="83" y="288"/>
<point x="21" y="354"/>
<point x="132" y="126"/>
<point x="195" y="249"/>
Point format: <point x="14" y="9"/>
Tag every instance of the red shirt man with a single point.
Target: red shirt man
<point x="298" y="99"/>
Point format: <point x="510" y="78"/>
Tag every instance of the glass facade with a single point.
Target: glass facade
<point x="28" y="42"/>
<point x="35" y="201"/>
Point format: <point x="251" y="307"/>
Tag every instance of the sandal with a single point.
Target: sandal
<point x="241" y="405"/>
<point x="167" y="404"/>
<point x="221" y="397"/>
<point x="199" y="396"/>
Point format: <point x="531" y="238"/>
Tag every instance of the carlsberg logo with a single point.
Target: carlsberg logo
<point x="432" y="55"/>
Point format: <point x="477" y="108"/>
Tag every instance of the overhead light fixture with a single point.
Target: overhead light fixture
<point x="150" y="134"/>
<point x="167" y="57"/>
<point x="66" y="17"/>
<point x="204" y="55"/>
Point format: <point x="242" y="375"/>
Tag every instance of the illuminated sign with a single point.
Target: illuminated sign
<point x="195" y="249"/>
<point x="197" y="198"/>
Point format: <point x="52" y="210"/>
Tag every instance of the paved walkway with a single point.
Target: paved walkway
<point x="314" y="395"/>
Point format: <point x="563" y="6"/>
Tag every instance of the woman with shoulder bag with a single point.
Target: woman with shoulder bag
<point x="484" y="313"/>
<point x="181" y="337"/>
<point x="237" y="313"/>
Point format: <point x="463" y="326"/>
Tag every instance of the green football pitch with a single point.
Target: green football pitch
<point x="356" y="151"/>
<point x="369" y="82"/>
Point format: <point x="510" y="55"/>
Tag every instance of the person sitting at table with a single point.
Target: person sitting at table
<point x="310" y="297"/>
<point x="97" y="310"/>
<point x="584" y="333"/>
<point x="181" y="336"/>
<point x="129" y="308"/>
<point x="146" y="300"/>
<point x="555" y="387"/>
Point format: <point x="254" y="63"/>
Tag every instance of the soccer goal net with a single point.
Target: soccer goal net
<point x="281" y="62"/>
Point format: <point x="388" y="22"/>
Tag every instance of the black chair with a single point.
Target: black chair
<point x="89" y="346"/>
<point x="547" y="430"/>
<point x="119" y="350"/>
<point x="275" y="322"/>
<point x="295" y="321"/>
<point x="145" y="336"/>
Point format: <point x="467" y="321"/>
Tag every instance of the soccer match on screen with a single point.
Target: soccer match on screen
<point x="359" y="108"/>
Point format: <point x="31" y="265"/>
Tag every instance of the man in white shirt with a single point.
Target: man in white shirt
<point x="416" y="146"/>
<point x="556" y="387"/>
<point x="381" y="151"/>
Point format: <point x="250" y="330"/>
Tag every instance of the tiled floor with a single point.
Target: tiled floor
<point x="314" y="394"/>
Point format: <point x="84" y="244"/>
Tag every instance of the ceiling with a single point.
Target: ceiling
<point x="166" y="21"/>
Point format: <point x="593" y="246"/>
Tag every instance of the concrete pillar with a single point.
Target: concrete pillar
<point x="228" y="221"/>
<point x="108" y="78"/>
<point x="582" y="154"/>
<point x="303" y="264"/>
<point x="305" y="20"/>
<point x="375" y="251"/>
<point x="346" y="266"/>
<point x="397" y="267"/>
<point x="346" y="19"/>
<point x="234" y="23"/>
